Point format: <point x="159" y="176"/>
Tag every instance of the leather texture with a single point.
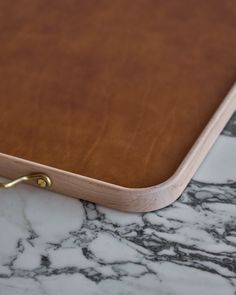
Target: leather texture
<point x="114" y="90"/>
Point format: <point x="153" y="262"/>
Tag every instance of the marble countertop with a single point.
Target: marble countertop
<point x="51" y="244"/>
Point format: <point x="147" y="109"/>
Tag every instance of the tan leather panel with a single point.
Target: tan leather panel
<point x="114" y="90"/>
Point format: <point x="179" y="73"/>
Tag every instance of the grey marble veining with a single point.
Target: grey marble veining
<point x="230" y="128"/>
<point x="51" y="244"/>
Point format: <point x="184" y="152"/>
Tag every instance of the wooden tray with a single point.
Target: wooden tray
<point x="112" y="99"/>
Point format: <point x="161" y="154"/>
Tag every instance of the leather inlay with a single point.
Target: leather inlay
<point x="114" y="90"/>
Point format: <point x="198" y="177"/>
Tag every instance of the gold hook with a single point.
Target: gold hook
<point x="41" y="179"/>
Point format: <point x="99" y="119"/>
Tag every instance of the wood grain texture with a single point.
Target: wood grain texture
<point x="117" y="91"/>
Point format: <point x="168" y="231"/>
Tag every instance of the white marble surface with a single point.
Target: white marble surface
<point x="51" y="244"/>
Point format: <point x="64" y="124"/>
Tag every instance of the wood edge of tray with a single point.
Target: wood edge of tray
<point x="123" y="198"/>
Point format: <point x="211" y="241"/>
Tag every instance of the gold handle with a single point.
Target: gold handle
<point x="41" y="179"/>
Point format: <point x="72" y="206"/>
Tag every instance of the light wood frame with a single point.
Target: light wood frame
<point x="129" y="199"/>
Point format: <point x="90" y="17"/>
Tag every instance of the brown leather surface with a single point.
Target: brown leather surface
<point x="115" y="90"/>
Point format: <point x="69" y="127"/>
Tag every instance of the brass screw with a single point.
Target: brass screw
<point x="41" y="182"/>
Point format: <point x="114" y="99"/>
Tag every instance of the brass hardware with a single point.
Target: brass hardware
<point x="41" y="180"/>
